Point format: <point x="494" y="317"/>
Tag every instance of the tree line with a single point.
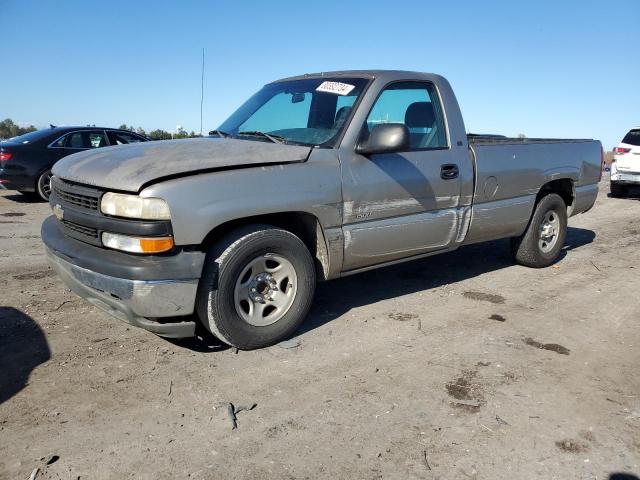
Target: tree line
<point x="159" y="134"/>
<point x="9" y="129"/>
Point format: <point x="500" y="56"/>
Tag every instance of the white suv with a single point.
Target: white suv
<point x="625" y="168"/>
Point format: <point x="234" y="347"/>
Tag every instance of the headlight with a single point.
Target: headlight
<point x="133" y="206"/>
<point x="127" y="243"/>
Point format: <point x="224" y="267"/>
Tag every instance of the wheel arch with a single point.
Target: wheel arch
<point x="564" y="187"/>
<point x="305" y="226"/>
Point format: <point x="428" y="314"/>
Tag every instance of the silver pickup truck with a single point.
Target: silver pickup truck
<point x="313" y="178"/>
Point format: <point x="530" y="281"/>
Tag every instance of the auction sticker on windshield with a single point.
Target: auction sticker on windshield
<point x="338" y="88"/>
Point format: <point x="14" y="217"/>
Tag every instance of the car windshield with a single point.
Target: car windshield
<point x="29" y="137"/>
<point x="310" y="111"/>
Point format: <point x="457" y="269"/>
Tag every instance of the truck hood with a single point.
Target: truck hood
<point x="130" y="167"/>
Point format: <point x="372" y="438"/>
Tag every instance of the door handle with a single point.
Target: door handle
<point x="449" y="171"/>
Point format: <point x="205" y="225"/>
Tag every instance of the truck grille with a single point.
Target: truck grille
<point x="81" y="229"/>
<point x="69" y="194"/>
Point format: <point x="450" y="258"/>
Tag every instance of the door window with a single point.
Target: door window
<point x="86" y="139"/>
<point x="121" y="138"/>
<point x="59" y="142"/>
<point x="415" y="105"/>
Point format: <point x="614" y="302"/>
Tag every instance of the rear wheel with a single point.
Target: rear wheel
<point x="257" y="287"/>
<point x="43" y="187"/>
<point x="544" y="238"/>
<point x="618" y="190"/>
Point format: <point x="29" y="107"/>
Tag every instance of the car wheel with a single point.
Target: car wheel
<point x="544" y="238"/>
<point x="43" y="186"/>
<point x="257" y="287"/>
<point x="617" y="190"/>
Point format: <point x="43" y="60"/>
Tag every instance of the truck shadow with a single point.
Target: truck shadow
<point x="19" y="198"/>
<point x="203" y="342"/>
<point x="335" y="298"/>
<point x="23" y="346"/>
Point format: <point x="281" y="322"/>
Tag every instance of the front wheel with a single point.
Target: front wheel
<point x="257" y="287"/>
<point x="544" y="238"/>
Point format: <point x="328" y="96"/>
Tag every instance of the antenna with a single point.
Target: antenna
<point x="201" y="91"/>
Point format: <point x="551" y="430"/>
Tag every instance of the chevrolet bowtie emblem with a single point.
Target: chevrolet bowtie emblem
<point x="58" y="211"/>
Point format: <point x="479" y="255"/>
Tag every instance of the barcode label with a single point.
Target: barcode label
<point x="335" y="87"/>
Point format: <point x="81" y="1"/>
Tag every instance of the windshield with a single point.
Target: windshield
<point x="29" y="137"/>
<point x="310" y="111"/>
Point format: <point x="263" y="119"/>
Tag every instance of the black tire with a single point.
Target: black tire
<point x="226" y="261"/>
<point x="527" y="249"/>
<point x="617" y="190"/>
<point x="43" y="185"/>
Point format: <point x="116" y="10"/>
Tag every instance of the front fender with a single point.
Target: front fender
<point x="199" y="203"/>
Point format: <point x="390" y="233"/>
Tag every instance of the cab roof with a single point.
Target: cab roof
<point x="389" y="75"/>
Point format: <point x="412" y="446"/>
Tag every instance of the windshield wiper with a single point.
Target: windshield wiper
<point x="220" y="133"/>
<point x="257" y="133"/>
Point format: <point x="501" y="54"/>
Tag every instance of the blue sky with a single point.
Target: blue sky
<point x="563" y="68"/>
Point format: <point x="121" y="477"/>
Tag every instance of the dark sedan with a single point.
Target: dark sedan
<point x="26" y="161"/>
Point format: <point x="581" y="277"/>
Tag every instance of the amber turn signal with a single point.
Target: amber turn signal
<point x="156" y="245"/>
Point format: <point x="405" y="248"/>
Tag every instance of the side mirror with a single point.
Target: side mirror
<point x="386" y="138"/>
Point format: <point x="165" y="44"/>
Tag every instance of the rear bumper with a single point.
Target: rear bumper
<point x="142" y="300"/>
<point x="625" y="178"/>
<point x="17" y="182"/>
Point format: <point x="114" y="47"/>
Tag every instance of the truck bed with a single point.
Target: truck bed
<point x="510" y="171"/>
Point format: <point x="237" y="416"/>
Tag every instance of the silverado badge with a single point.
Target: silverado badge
<point x="58" y="211"/>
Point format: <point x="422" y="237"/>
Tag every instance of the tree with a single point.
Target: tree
<point x="181" y="133"/>
<point x="159" y="135"/>
<point x="130" y="128"/>
<point x="9" y="129"/>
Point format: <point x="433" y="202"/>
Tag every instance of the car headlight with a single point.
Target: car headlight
<point x="133" y="206"/>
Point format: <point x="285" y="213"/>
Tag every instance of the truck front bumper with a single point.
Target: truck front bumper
<point x="161" y="306"/>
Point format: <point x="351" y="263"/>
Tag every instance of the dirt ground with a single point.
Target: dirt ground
<point x="459" y="366"/>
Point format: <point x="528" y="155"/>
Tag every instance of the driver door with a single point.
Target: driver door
<point x="403" y="204"/>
